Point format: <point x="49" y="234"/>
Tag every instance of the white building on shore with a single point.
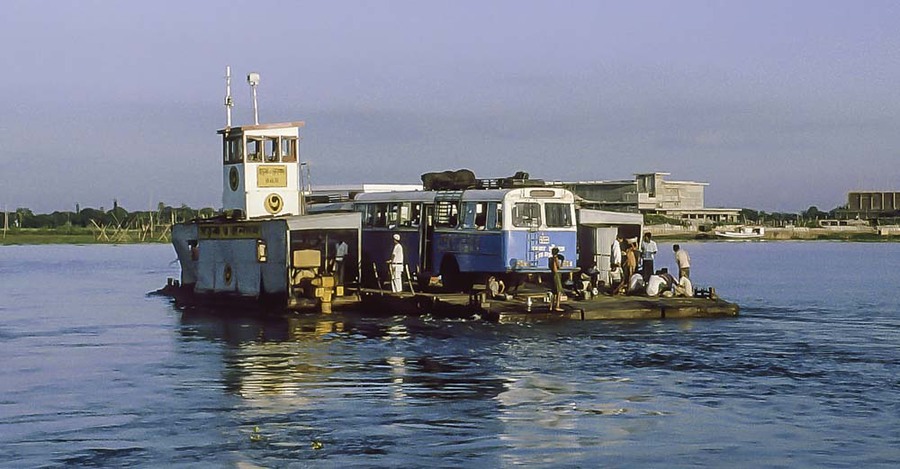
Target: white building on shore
<point x="651" y="193"/>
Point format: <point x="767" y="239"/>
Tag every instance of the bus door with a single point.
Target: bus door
<point x="426" y="238"/>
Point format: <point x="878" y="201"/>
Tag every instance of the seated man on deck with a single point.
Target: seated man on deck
<point x="670" y="280"/>
<point x="635" y="284"/>
<point x="684" y="288"/>
<point x="656" y="284"/>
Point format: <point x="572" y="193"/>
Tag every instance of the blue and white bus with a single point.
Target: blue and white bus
<point x="465" y="236"/>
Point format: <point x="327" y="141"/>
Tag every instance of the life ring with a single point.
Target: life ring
<point x="274" y="203"/>
<point x="234" y="179"/>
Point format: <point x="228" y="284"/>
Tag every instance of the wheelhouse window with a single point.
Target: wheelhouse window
<point x="558" y="215"/>
<point x="234" y="150"/>
<point x="270" y="149"/>
<point x="526" y="215"/>
<point x="288" y="149"/>
<point x="254" y="149"/>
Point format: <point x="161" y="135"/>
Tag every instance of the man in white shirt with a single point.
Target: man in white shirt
<point x="655" y="284"/>
<point x="615" y="262"/>
<point x="648" y="253"/>
<point x="395" y="263"/>
<point x="340" y="252"/>
<point x="635" y="283"/>
<point x="683" y="260"/>
<point x="684" y="287"/>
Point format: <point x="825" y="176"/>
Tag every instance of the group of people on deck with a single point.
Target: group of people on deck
<point x="629" y="277"/>
<point x="626" y="275"/>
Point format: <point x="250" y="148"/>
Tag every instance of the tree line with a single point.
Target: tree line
<point x="809" y="216"/>
<point x="164" y="214"/>
<point x="117" y="216"/>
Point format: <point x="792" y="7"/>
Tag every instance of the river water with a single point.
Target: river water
<point x="95" y="373"/>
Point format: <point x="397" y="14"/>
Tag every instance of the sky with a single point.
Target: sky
<point x="778" y="105"/>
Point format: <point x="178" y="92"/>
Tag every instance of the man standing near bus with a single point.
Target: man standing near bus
<point x="557" y="279"/>
<point x="648" y="252"/>
<point x="395" y="263"/>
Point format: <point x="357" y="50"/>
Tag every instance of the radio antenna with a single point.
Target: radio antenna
<point x="229" y="103"/>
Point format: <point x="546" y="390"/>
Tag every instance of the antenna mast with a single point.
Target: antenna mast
<point x="229" y="103"/>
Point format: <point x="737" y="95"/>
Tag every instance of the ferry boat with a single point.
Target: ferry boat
<point x="269" y="247"/>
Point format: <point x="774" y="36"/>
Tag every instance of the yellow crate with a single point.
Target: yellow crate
<point x="306" y="258"/>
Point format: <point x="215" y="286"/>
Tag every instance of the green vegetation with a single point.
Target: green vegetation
<point x="84" y="226"/>
<point x="48" y="236"/>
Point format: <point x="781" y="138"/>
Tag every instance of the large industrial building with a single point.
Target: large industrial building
<point x="651" y="193"/>
<point x="872" y="205"/>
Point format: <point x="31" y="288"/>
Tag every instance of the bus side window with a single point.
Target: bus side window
<point x="381" y="215"/>
<point x="415" y="216"/>
<point x="446" y="214"/>
<point x="481" y="216"/>
<point x="494" y="216"/>
<point x="368" y="211"/>
<point x="405" y="219"/>
<point x="474" y="215"/>
<point x="468" y="215"/>
<point x="453" y="220"/>
<point x="558" y="215"/>
<point x="393" y="214"/>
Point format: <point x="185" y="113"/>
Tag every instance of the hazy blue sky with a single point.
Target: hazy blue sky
<point x="779" y="105"/>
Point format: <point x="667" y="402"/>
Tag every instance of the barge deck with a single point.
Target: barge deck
<point x="526" y="307"/>
<point x="520" y="309"/>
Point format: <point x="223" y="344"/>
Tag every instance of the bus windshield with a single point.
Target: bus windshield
<point x="558" y="215"/>
<point x="526" y="214"/>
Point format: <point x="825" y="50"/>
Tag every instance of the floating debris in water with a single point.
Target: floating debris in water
<point x="316" y="444"/>
<point x="608" y="411"/>
<point x="256" y="436"/>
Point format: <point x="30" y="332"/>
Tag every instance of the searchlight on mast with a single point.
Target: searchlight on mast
<point x="253" y="80"/>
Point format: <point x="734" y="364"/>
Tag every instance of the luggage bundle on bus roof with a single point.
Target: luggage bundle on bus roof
<point x="463" y="179"/>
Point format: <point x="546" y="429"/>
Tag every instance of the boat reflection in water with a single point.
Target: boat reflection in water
<point x="298" y="359"/>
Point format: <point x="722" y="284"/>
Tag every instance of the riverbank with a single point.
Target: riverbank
<point x="27" y="236"/>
